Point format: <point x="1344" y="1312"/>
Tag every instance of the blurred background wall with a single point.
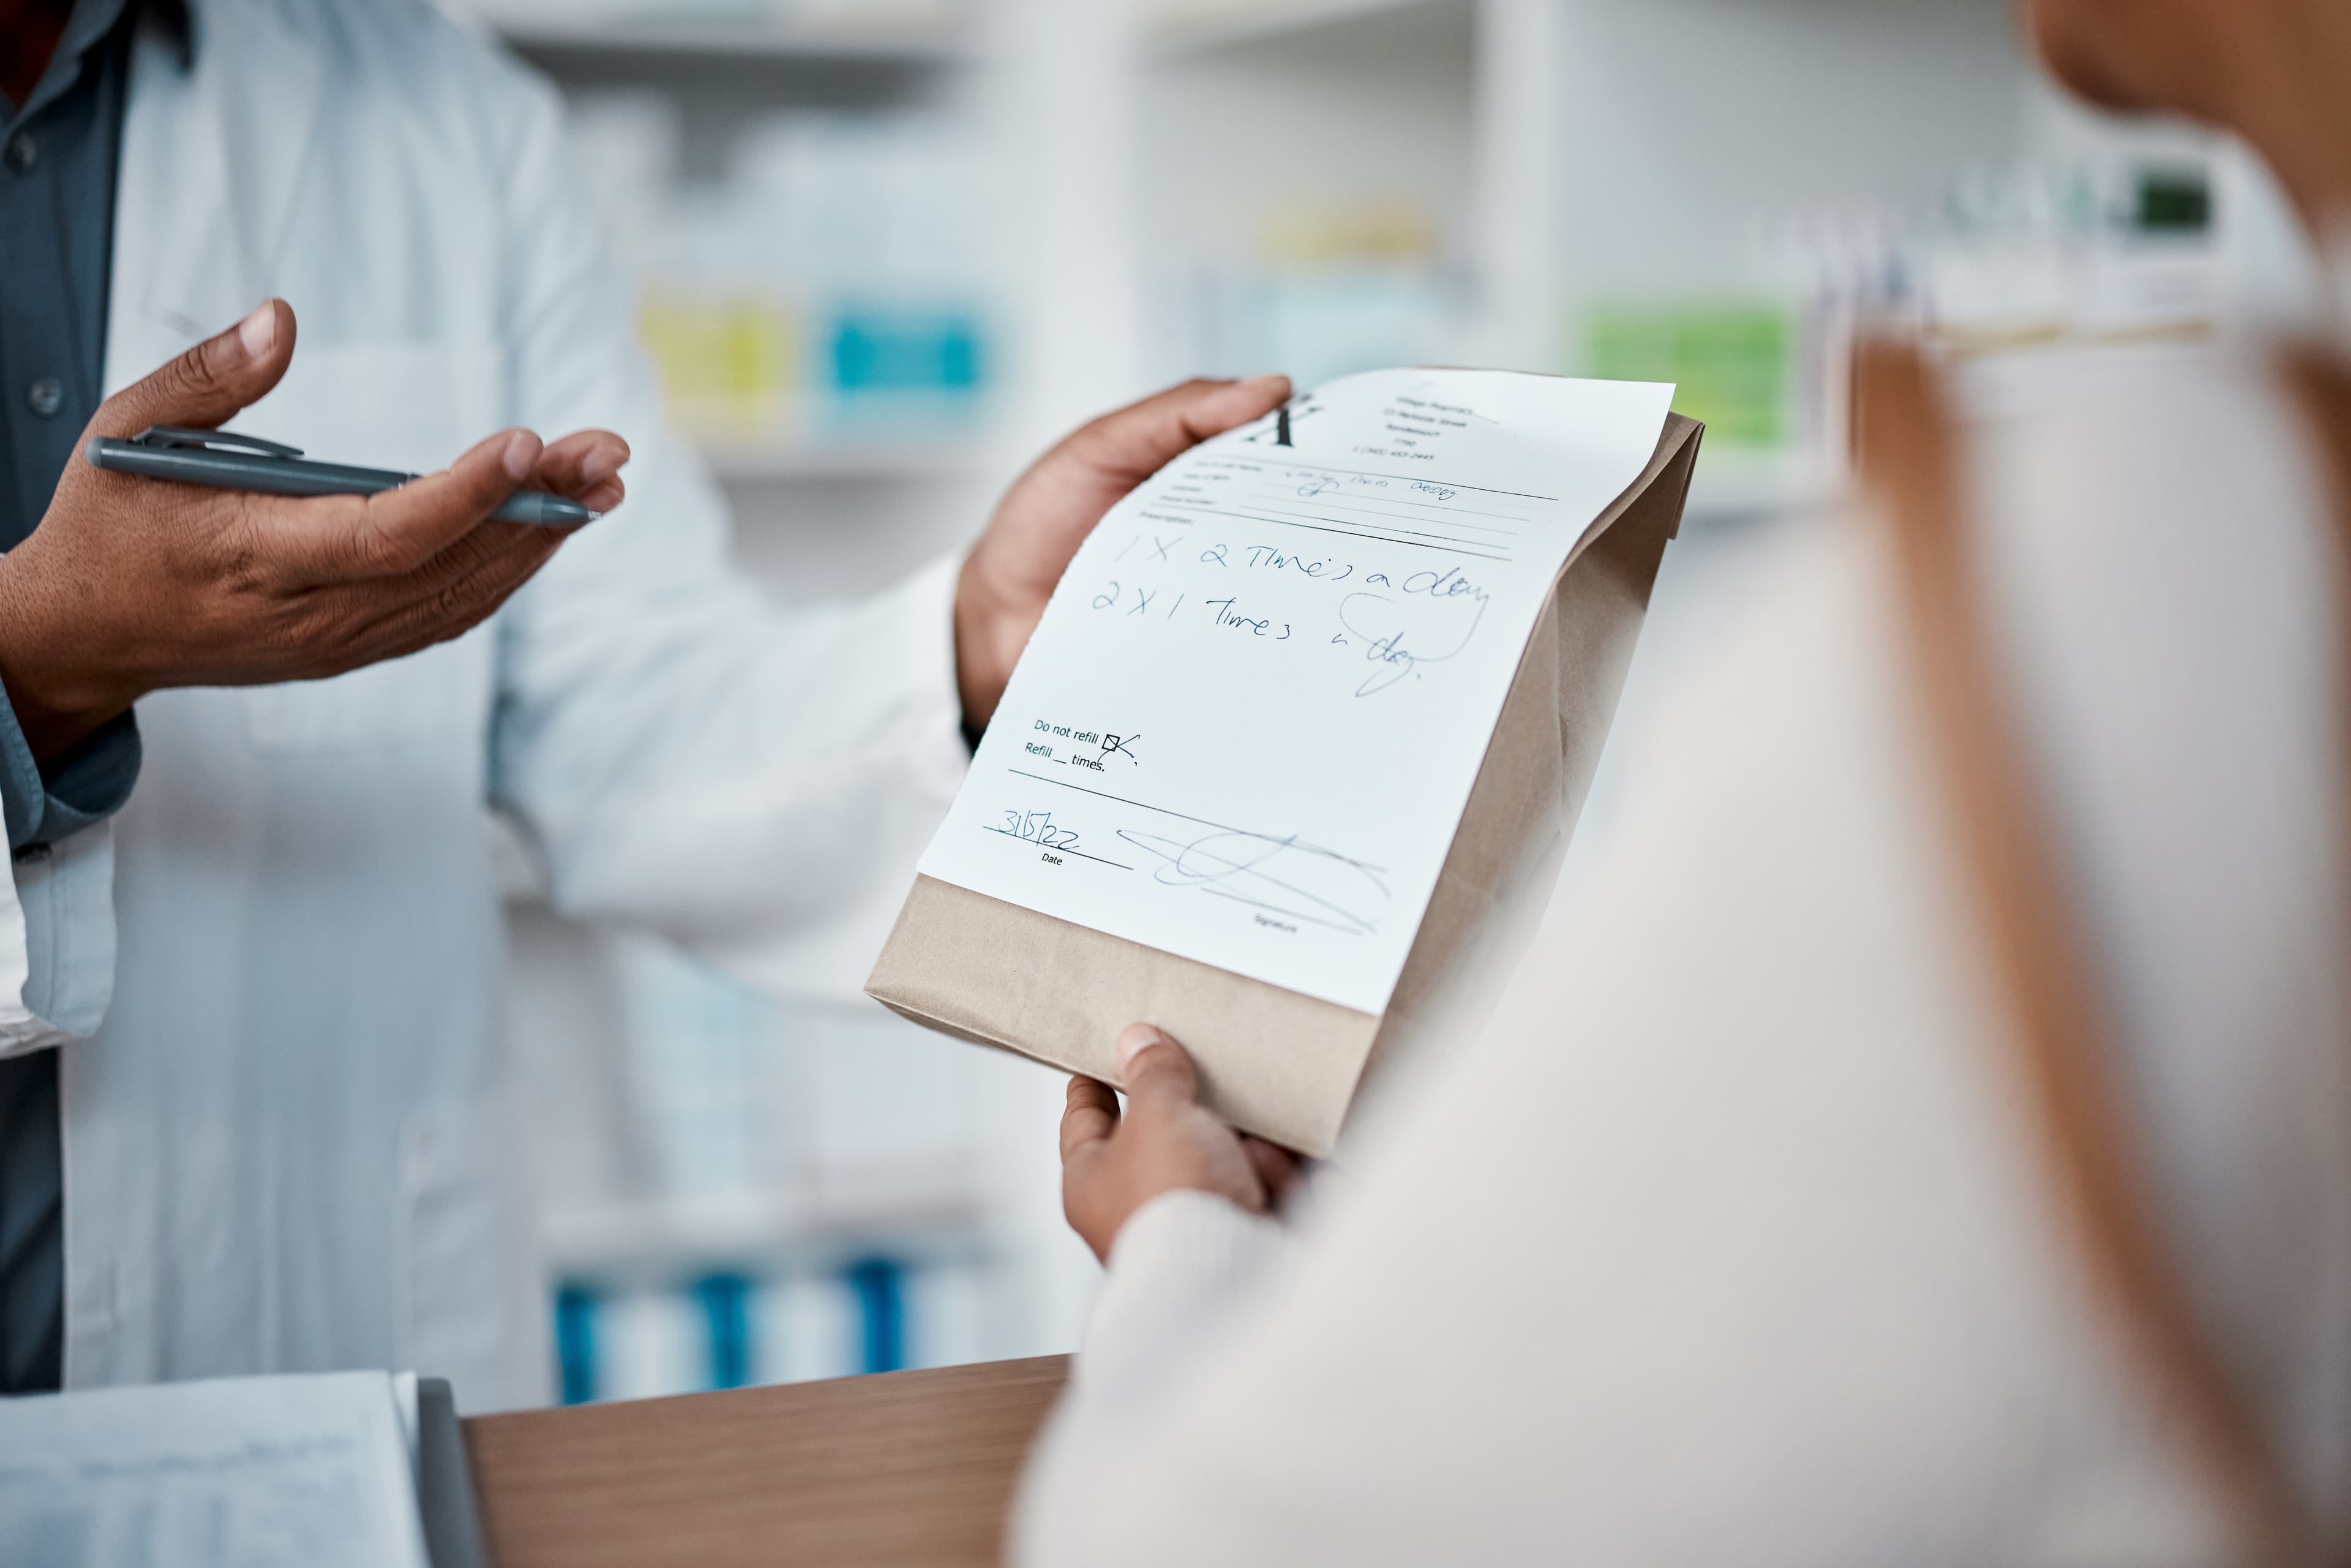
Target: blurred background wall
<point x="884" y="250"/>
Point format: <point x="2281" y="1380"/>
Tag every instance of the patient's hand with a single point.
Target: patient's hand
<point x="1167" y="1142"/>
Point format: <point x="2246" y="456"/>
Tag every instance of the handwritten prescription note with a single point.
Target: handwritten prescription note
<point x="1248" y="725"/>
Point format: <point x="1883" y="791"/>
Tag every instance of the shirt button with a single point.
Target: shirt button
<point x="22" y="154"/>
<point x="45" y="397"/>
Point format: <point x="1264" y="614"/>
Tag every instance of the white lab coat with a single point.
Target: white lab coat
<point x="290" y="1135"/>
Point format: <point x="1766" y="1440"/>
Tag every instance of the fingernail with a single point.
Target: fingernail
<point x="1136" y="1039"/>
<point x="259" y="331"/>
<point x="521" y="453"/>
<point x="1261" y="385"/>
<point x="599" y="466"/>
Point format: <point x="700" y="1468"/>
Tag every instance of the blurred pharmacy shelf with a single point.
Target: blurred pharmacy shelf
<point x="1179" y="25"/>
<point x="724" y="1329"/>
<point x="795" y="192"/>
<point x="887" y="249"/>
<point x="1710" y="192"/>
<point x="731" y="40"/>
<point x="737" y="1186"/>
<point x="1734" y="484"/>
<point x="784" y="1231"/>
<point x="915" y="31"/>
<point x="764" y="464"/>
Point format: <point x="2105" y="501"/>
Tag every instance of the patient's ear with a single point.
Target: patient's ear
<point x="2146" y="55"/>
<point x="2064" y="35"/>
<point x="2276" y="72"/>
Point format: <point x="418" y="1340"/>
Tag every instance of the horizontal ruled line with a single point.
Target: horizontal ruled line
<point x="1355" y="533"/>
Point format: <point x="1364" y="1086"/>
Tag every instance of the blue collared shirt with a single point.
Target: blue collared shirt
<point x="58" y="154"/>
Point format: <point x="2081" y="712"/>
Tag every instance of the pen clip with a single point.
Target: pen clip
<point x="175" y="435"/>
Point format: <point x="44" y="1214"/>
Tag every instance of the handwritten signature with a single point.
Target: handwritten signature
<point x="1280" y="873"/>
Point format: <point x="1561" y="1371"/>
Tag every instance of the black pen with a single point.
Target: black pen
<point x="226" y="461"/>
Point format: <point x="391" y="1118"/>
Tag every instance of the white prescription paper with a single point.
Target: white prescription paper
<point x="263" y="1472"/>
<point x="1248" y="725"/>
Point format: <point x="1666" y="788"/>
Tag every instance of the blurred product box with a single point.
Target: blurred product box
<point x="898" y="351"/>
<point x="730" y="1329"/>
<point x="1325" y="295"/>
<point x="729" y="364"/>
<point x="747" y="1099"/>
<point x="2013" y="258"/>
<point x="1735" y="364"/>
<point x="834" y="279"/>
<point x="707" y="1075"/>
<point x="2030" y="256"/>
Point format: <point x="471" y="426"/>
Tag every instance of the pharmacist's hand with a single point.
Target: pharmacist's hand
<point x="1052" y="508"/>
<point x="131" y="585"/>
<point x="1167" y="1142"/>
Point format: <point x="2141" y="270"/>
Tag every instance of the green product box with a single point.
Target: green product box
<point x="1734" y="364"/>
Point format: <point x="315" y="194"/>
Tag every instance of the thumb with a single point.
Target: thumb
<point x="212" y="382"/>
<point x="1157" y="1070"/>
<point x="1138" y="441"/>
<point x="398" y="531"/>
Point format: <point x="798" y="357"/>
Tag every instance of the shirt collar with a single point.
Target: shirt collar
<point x="89" y="25"/>
<point x="171" y="17"/>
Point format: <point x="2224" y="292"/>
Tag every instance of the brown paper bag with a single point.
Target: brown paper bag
<point x="1273" y="1062"/>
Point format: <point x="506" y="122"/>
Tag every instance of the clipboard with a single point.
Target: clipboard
<point x="445" y="1481"/>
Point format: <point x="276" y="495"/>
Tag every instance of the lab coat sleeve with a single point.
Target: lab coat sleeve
<point x="56" y="932"/>
<point x="57" y="941"/>
<point x="752" y="781"/>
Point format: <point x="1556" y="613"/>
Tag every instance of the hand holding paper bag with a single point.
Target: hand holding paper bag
<point x="1310" y="712"/>
<point x="1112" y="1165"/>
<point x="1052" y="508"/>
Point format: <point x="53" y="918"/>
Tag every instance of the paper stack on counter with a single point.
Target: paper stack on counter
<point x="1310" y="712"/>
<point x="360" y="1469"/>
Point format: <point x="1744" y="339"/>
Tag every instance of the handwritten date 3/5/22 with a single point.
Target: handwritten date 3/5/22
<point x="1037" y="828"/>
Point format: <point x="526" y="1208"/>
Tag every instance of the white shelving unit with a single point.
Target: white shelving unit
<point x="783" y="1231"/>
<point x="727" y="39"/>
<point x="1509" y="167"/>
<point x="723" y="66"/>
<point x="735" y="25"/>
<point x="1189" y="26"/>
<point x="781" y="462"/>
<point x="824" y="514"/>
<point x="646" y="37"/>
<point x="1570" y="154"/>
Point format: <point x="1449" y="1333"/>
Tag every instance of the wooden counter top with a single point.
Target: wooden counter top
<point x="911" y="1468"/>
